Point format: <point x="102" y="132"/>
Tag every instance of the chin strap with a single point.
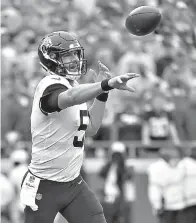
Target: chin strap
<point x="72" y="77"/>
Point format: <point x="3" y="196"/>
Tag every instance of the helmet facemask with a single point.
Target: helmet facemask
<point x="74" y="69"/>
<point x="71" y="70"/>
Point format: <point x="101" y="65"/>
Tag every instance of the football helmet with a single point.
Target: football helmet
<point x="53" y="47"/>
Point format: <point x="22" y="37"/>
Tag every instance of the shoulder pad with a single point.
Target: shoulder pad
<point x="50" y="80"/>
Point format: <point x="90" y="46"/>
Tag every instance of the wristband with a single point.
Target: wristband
<point x="102" y="97"/>
<point x="105" y="86"/>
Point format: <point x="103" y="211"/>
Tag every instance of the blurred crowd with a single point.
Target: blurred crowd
<point x="164" y="104"/>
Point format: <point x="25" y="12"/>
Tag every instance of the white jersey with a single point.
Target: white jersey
<point x="166" y="181"/>
<point x="58" y="137"/>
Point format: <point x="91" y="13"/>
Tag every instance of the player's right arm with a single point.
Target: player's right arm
<point x="85" y="92"/>
<point x="79" y="94"/>
<point x="145" y="133"/>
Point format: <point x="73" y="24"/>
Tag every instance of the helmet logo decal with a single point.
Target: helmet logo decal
<point x="47" y="42"/>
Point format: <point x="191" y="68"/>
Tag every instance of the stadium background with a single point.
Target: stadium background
<point x="166" y="59"/>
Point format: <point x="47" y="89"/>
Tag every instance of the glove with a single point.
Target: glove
<point x="29" y="191"/>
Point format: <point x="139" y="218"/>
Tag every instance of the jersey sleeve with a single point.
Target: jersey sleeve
<point x="49" y="99"/>
<point x="170" y="116"/>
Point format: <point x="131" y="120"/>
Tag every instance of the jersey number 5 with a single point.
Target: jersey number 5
<point x="84" y="119"/>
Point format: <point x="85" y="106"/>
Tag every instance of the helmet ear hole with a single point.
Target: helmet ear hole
<point x="44" y="49"/>
<point x="52" y="55"/>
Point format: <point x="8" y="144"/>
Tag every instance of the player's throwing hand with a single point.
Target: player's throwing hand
<point x="120" y="82"/>
<point x="103" y="70"/>
<point x="102" y="74"/>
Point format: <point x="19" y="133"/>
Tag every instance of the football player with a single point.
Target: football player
<point x="158" y="123"/>
<point x="59" y="122"/>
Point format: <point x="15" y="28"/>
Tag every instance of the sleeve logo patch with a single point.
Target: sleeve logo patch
<point x="56" y="78"/>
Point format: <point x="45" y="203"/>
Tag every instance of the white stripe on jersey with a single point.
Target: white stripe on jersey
<point x="57" y="145"/>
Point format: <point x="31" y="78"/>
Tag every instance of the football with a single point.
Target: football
<point x="143" y="20"/>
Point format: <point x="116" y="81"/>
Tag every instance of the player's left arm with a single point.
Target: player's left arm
<point x="174" y="133"/>
<point x="173" y="130"/>
<point x="96" y="111"/>
<point x="145" y="133"/>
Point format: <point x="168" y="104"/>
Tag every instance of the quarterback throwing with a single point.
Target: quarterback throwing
<point x="60" y="120"/>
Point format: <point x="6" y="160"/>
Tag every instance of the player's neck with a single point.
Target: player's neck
<point x="71" y="82"/>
